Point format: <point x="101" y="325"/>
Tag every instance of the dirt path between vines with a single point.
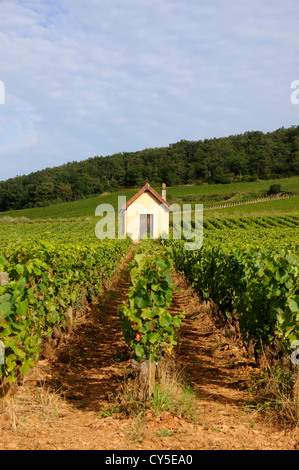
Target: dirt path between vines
<point x="87" y="368"/>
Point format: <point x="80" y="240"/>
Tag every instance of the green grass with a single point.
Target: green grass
<point x="83" y="208"/>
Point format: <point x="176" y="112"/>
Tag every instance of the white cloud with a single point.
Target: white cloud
<point x="101" y="77"/>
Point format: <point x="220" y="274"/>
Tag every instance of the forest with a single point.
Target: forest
<point x="250" y="156"/>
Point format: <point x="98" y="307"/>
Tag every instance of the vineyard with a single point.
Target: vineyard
<point x="248" y="268"/>
<point x="248" y="223"/>
<point x="46" y="281"/>
<point x="255" y="285"/>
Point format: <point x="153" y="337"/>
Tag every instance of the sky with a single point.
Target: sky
<point x="99" y="77"/>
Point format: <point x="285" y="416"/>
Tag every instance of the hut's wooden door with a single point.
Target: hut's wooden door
<point x="146" y="225"/>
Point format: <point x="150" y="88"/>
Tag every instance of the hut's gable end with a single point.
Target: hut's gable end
<point x="146" y="203"/>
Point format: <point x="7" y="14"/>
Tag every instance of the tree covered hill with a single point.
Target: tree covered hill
<point x="243" y="157"/>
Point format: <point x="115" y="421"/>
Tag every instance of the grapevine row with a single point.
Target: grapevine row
<point x="259" y="286"/>
<point x="45" y="281"/>
<point x="251" y="222"/>
<point x="148" y="327"/>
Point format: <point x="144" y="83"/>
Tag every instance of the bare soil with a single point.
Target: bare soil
<point x="62" y="403"/>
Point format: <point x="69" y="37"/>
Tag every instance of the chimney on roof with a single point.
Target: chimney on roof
<point x="164" y="191"/>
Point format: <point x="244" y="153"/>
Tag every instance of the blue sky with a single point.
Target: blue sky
<point x="105" y="76"/>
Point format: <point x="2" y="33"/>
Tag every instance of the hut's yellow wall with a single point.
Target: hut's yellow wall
<point x="147" y="204"/>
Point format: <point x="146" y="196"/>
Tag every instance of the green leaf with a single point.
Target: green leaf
<point x="140" y="259"/>
<point x="134" y="273"/>
<point x="3" y="263"/>
<point x="293" y="305"/>
<point x="168" y="279"/>
<point x="24" y="367"/>
<point x="154" y="337"/>
<point x="5" y="307"/>
<point x="164" y="322"/>
<point x="139" y="350"/>
<point x="10" y="362"/>
<point x="20" y="269"/>
<point x="176" y="321"/>
<point x="18" y="352"/>
<point x="161" y="264"/>
<point x="142" y="281"/>
<point x="146" y="314"/>
<point x="20" y="286"/>
<point x="142" y="300"/>
<point x="22" y="308"/>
